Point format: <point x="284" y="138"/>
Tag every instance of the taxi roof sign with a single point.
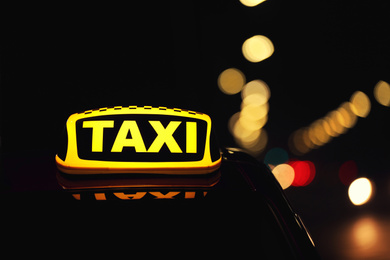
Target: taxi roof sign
<point x="138" y="140"/>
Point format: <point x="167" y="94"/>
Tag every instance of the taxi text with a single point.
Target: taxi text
<point x="164" y="136"/>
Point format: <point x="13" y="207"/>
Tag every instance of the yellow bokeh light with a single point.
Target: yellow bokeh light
<point x="238" y="129"/>
<point x="284" y="173"/>
<point x="251" y="3"/>
<point x="232" y="122"/>
<point x="318" y="134"/>
<point x="257" y="48"/>
<point x="360" y="191"/>
<point x="256" y="90"/>
<point x="336" y="122"/>
<point x="256" y="99"/>
<point x="253" y="140"/>
<point x="307" y="140"/>
<point x="257" y="145"/>
<point x="333" y="119"/>
<point x="346" y="116"/>
<point x="328" y="129"/>
<point x="231" y="81"/>
<point x="248" y="138"/>
<point x="247" y="125"/>
<point x="252" y="125"/>
<point x="297" y="144"/>
<point x="365" y="233"/>
<point x="361" y="104"/>
<point x="254" y="111"/>
<point x="382" y="93"/>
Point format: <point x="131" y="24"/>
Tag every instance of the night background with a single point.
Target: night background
<point x="61" y="59"/>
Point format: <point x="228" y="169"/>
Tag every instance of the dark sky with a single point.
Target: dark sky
<point x="61" y="59"/>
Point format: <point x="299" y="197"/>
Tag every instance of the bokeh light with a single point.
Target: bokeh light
<point x="256" y="91"/>
<point x="247" y="125"/>
<point x="347" y="118"/>
<point x="231" y="81"/>
<point x="317" y="133"/>
<point x="257" y="48"/>
<point x="297" y="144"/>
<point x="232" y="122"/>
<point x="334" y="119"/>
<point x="284" y="173"/>
<point x="304" y="172"/>
<point x="250" y="137"/>
<point x="254" y="145"/>
<point x="366" y="233"/>
<point x="251" y="3"/>
<point x="348" y="172"/>
<point x="333" y="124"/>
<point x="360" y="191"/>
<point x="276" y="156"/>
<point x="252" y="124"/>
<point x="254" y="111"/>
<point x="361" y="104"/>
<point x="382" y="93"/>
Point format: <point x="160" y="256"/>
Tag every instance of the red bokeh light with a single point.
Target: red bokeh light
<point x="304" y="172"/>
<point x="348" y="172"/>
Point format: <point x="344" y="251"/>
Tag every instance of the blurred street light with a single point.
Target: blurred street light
<point x="251" y="3"/>
<point x="257" y="48"/>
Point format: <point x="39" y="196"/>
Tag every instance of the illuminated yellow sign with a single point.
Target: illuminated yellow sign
<point x="138" y="140"/>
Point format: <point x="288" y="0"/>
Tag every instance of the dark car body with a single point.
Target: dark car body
<point x="240" y="206"/>
<point x="238" y="211"/>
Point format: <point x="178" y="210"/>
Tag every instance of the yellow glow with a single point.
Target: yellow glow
<point x="241" y="132"/>
<point x="297" y="144"/>
<point x="72" y="164"/>
<point x="245" y="136"/>
<point x="256" y="99"/>
<point x="360" y="191"/>
<point x="328" y="129"/>
<point x="231" y="81"/>
<point x="252" y="125"/>
<point x="332" y="125"/>
<point x="246" y="125"/>
<point x="257" y="145"/>
<point x="254" y="111"/>
<point x="366" y="235"/>
<point x="256" y="91"/>
<point x="334" y="119"/>
<point x="382" y="93"/>
<point x="284" y="173"/>
<point x="307" y="138"/>
<point x="346" y="116"/>
<point x="232" y="122"/>
<point x="248" y="133"/>
<point x="361" y="104"/>
<point x="313" y="138"/>
<point x="251" y="3"/>
<point x="253" y="141"/>
<point x="257" y="48"/>
<point x="317" y="133"/>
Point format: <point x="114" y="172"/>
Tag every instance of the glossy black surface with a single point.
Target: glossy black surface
<point x="246" y="210"/>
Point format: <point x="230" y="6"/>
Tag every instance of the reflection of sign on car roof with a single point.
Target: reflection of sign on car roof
<point x="138" y="140"/>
